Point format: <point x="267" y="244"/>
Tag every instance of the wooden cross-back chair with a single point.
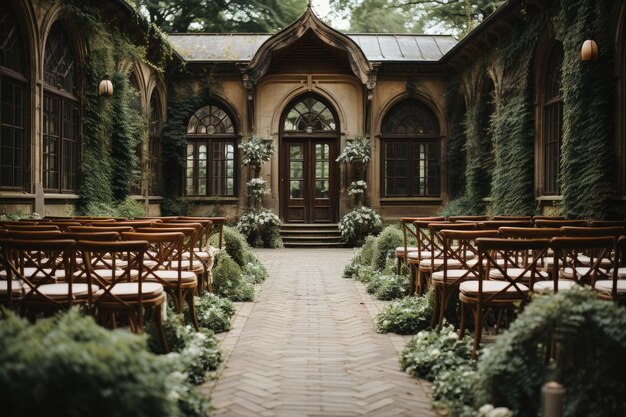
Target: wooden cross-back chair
<point x="31" y="227"/>
<point x="569" y="270"/>
<point x="165" y="252"/>
<point x="508" y="293"/>
<point x="460" y="263"/>
<point x="409" y="233"/>
<point x="613" y="288"/>
<point x="496" y="224"/>
<point x="435" y="262"/>
<point x="99" y="229"/>
<point x="559" y="223"/>
<point x="122" y="293"/>
<point x="31" y="275"/>
<point x="202" y="243"/>
<point x="423" y="235"/>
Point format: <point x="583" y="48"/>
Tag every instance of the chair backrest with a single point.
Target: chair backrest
<point x="424" y="236"/>
<point x="548" y="218"/>
<point x="529" y="232"/>
<point x="63" y="226"/>
<point x="503" y="217"/>
<point x="32" y="227"/>
<point x="34" y="263"/>
<point x="608" y="223"/>
<point x="437" y="248"/>
<point x="165" y="249"/>
<point x="619" y="261"/>
<point x="218" y="225"/>
<point x="93" y="229"/>
<point x="496" y="224"/>
<point x="409" y="230"/>
<point x="467" y="218"/>
<point x="492" y="249"/>
<point x="614" y="231"/>
<point x="35" y="235"/>
<point x="133" y="224"/>
<point x="558" y="223"/>
<point x="460" y="245"/>
<point x="567" y="252"/>
<point x="190" y="235"/>
<point x="205" y="234"/>
<point x="20" y="222"/>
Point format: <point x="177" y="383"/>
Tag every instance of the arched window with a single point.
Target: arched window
<point x="310" y="115"/>
<point x="211" y="153"/>
<point x="13" y="130"/>
<point x="61" y="117"/>
<point x="154" y="145"/>
<point x="410" y="151"/>
<point x="552" y="118"/>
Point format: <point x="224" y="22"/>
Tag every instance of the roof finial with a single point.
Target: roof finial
<point x="309" y="5"/>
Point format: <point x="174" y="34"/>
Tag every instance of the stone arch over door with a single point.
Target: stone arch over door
<point x="309" y="134"/>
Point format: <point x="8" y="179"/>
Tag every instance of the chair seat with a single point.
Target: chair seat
<point x="452" y="263"/>
<point x="470" y="288"/>
<point x="548" y="286"/>
<point x="453" y="274"/>
<point x="516" y="273"/>
<point x="416" y="255"/>
<point x="106" y="274"/>
<point x="605" y="286"/>
<point x="195" y="266"/>
<point x="400" y="250"/>
<point x="568" y="273"/>
<point x="17" y="288"/>
<point x="586" y="260"/>
<point x="172" y="276"/>
<point x="60" y="290"/>
<point x="203" y="256"/>
<point x="29" y="272"/>
<point x="621" y="272"/>
<point x="130" y="290"/>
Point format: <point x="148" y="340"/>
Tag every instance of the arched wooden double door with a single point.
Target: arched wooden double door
<point x="309" y="175"/>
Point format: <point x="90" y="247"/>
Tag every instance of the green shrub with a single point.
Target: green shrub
<point x="365" y="274"/>
<point x="228" y="280"/>
<point x="131" y="208"/>
<point x="198" y="352"/>
<point x="253" y="269"/>
<point x="213" y="312"/>
<point x="388" y="240"/>
<point x="591" y="339"/>
<point x="235" y="244"/>
<point x="350" y="270"/>
<point x="392" y="287"/>
<point x="67" y="365"/>
<point x="359" y="223"/>
<point x="367" y="250"/>
<point x="454" y="391"/>
<point x="175" y="207"/>
<point x="430" y="352"/>
<point x="408" y="315"/>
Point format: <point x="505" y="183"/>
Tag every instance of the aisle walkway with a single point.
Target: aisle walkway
<point x="308" y="348"/>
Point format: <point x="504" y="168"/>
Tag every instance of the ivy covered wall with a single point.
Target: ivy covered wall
<point x="588" y="162"/>
<point x="112" y="128"/>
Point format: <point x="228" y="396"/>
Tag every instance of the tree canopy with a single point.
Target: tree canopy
<point x="456" y="16"/>
<point x="222" y="15"/>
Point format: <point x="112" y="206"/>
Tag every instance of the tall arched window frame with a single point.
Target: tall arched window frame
<point x="211" y="153"/>
<point x="61" y="114"/>
<point x="154" y="144"/>
<point x="552" y="121"/>
<point x="411" y="151"/>
<point x="13" y="104"/>
<point x="135" y="105"/>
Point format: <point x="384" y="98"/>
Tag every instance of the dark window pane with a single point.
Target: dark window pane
<point x="410" y="117"/>
<point x="59" y="62"/>
<point x="11" y="48"/>
<point x="309" y="114"/>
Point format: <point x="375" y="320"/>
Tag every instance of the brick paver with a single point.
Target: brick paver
<point x="308" y="348"/>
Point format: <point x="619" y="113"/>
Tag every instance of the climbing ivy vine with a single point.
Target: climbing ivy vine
<point x="111" y="127"/>
<point x="588" y="150"/>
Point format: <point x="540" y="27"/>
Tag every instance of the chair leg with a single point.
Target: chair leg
<point x="463" y="323"/>
<point x="398" y="265"/>
<point x="443" y="304"/>
<point x="158" y="319"/>
<point x="435" y="315"/>
<point x="192" y="309"/>
<point x="413" y="280"/>
<point x="478" y="330"/>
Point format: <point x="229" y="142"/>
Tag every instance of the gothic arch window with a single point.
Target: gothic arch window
<point x="61" y="114"/>
<point x="552" y="120"/>
<point x="310" y="115"/>
<point x="13" y="103"/>
<point x="135" y="106"/>
<point x="154" y="145"/>
<point x="410" y="151"/>
<point x="211" y="153"/>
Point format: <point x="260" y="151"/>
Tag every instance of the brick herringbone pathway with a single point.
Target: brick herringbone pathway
<point x="309" y="348"/>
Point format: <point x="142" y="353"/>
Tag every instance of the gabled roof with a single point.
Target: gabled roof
<point x="378" y="47"/>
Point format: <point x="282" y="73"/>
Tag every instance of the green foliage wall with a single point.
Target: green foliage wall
<point x="182" y="103"/>
<point x="587" y="152"/>
<point x="111" y="128"/>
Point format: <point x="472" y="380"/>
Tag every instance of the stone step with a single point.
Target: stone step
<point x="311" y="235"/>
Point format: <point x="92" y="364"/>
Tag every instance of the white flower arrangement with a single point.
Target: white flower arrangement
<point x="359" y="223"/>
<point x="357" y="187"/>
<point x="252" y="220"/>
<point x="256" y="150"/>
<point x="257" y="188"/>
<point x="358" y="150"/>
<point x="489" y="410"/>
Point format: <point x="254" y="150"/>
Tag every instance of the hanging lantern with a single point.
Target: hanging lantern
<point x="105" y="88"/>
<point x="589" y="51"/>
